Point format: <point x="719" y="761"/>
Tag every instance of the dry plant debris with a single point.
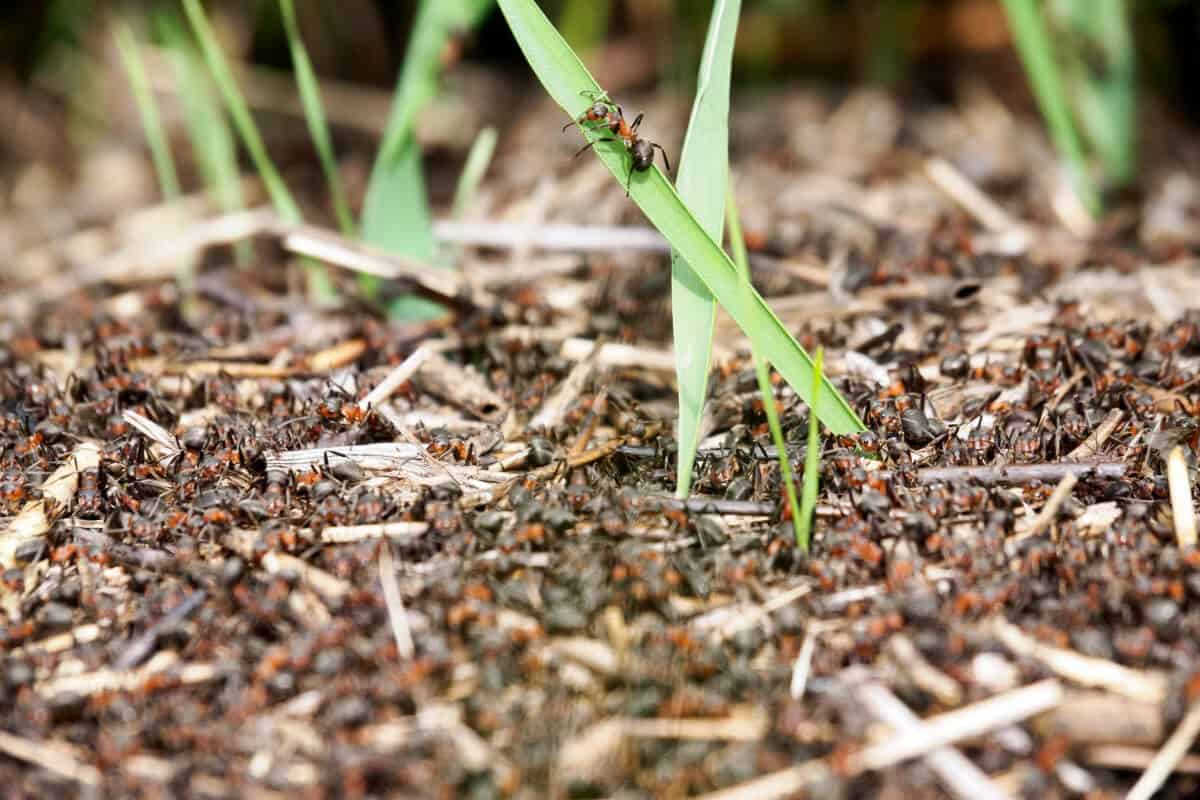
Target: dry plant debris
<point x="297" y="550"/>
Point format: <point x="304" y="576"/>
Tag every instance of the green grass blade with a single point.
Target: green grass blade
<point x="477" y="163"/>
<point x="320" y="287"/>
<point x="156" y="135"/>
<point x="737" y="243"/>
<point x="701" y="182"/>
<point x="564" y="77"/>
<point x="812" y="465"/>
<point x="1095" y="46"/>
<point x="1033" y="45"/>
<point x="222" y="75"/>
<point x="436" y="22"/>
<point x="205" y="122"/>
<point x="396" y="215"/>
<point x="314" y="115"/>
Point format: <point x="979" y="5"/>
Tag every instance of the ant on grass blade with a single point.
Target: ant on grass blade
<point x="604" y="113"/>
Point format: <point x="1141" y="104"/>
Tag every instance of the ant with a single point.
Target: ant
<point x="611" y="116"/>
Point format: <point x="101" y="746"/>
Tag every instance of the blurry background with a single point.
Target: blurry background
<point x="53" y="53"/>
<point x="65" y="94"/>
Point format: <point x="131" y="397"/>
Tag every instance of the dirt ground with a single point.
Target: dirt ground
<point x="257" y="548"/>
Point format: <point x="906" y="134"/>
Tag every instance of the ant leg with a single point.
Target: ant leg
<point x="666" y="160"/>
<point x="637" y="121"/>
<point x="590" y="145"/>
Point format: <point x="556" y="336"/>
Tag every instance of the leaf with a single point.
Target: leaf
<point x="396" y="215"/>
<point x="701" y="181"/>
<point x="320" y="286"/>
<point x="565" y="77"/>
<point x="1037" y="54"/>
<point x="762" y="371"/>
<point x="205" y="122"/>
<point x="314" y="115"/>
<point x="812" y="467"/>
<point x="156" y="135"/>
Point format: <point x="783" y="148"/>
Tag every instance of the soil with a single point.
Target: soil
<point x="243" y="557"/>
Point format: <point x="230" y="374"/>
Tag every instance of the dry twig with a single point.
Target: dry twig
<point x="395" y="604"/>
<point x="1163" y="763"/>
<point x="1147" y="687"/>
<point x="1183" y="513"/>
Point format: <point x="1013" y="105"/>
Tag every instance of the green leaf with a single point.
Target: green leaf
<point x="762" y="372"/>
<point x="1037" y="54"/>
<point x="156" y="135"/>
<point x="320" y="287"/>
<point x="565" y="77"/>
<point x="1094" y="45"/>
<point x="478" y="160"/>
<point x="205" y="123"/>
<point x="701" y="182"/>
<point x="812" y="466"/>
<point x="314" y="115"/>
<point x="396" y="214"/>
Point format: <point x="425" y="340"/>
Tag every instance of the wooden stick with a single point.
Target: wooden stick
<point x="1146" y="687"/>
<point x="974" y="720"/>
<point x="50" y="756"/>
<point x="961" y="777"/>
<point x="1050" y="510"/>
<point x="1093" y="443"/>
<point x="402" y="531"/>
<point x="1183" y="513"/>
<point x="1172" y="752"/>
<point x="395" y="604"/>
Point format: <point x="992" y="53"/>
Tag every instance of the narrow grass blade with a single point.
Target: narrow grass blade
<point x="320" y="287"/>
<point x="701" y="182"/>
<point x="436" y="22"/>
<point x="1034" y="47"/>
<point x="565" y="77"/>
<point x="762" y="371"/>
<point x="812" y="465"/>
<point x="314" y="115"/>
<point x="477" y="163"/>
<point x="156" y="135"/>
<point x="396" y="214"/>
<point x="1100" y="72"/>
<point x="205" y="122"/>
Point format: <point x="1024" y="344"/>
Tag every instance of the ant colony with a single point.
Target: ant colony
<point x="605" y="114"/>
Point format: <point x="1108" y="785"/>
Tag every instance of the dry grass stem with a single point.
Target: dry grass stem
<point x="1147" y="687"/>
<point x="1183" y="512"/>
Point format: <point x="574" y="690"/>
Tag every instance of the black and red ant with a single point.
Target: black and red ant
<point x="611" y="116"/>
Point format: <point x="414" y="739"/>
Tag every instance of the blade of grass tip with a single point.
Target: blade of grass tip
<point x="762" y="369"/>
<point x="205" y="123"/>
<point x="320" y="287"/>
<point x="160" y="150"/>
<point x="314" y="115"/>
<point x="701" y="182"/>
<point x="812" y="464"/>
<point x="143" y="95"/>
<point x="479" y="158"/>
<point x="565" y="78"/>
<point x="1033" y="46"/>
<point x="396" y="214"/>
<point x="1101" y="78"/>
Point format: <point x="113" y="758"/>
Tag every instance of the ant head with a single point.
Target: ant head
<point x="643" y="154"/>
